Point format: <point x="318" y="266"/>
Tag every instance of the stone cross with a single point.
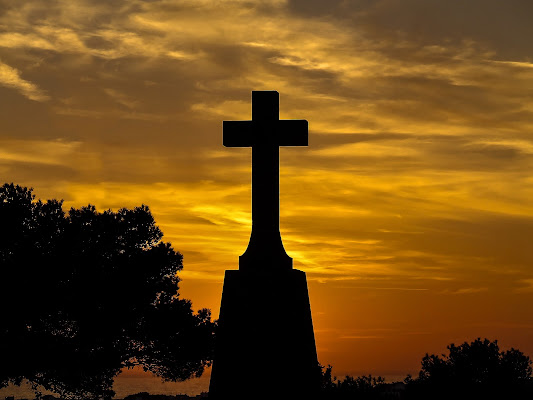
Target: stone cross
<point x="265" y="133"/>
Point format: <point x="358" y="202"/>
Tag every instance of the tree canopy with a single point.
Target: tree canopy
<point x="364" y="387"/>
<point x="476" y="370"/>
<point x="87" y="293"/>
<point x="473" y="370"/>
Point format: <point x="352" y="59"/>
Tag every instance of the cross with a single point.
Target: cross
<point x="265" y="133"/>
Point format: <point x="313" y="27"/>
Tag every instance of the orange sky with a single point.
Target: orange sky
<point x="410" y="211"/>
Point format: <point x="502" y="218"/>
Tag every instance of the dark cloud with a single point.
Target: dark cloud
<point x="318" y="8"/>
<point x="34" y="174"/>
<point x="502" y="27"/>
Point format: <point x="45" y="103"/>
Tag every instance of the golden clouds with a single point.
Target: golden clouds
<point x="37" y="151"/>
<point x="414" y="194"/>
<point x="10" y="77"/>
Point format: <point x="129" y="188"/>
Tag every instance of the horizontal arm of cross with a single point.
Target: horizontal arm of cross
<point x="288" y="132"/>
<point x="237" y="133"/>
<point x="293" y="132"/>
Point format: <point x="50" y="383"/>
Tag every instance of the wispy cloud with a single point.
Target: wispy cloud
<point x="53" y="152"/>
<point x="469" y="290"/>
<point x="10" y="77"/>
<point x="526" y="285"/>
<point x="362" y="337"/>
<point x="121" y="98"/>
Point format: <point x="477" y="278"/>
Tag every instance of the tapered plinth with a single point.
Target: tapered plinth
<point x="265" y="345"/>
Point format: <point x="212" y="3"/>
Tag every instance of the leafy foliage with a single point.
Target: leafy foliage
<point x="86" y="294"/>
<point x="473" y="369"/>
<point x="476" y="370"/>
<point x="362" y="387"/>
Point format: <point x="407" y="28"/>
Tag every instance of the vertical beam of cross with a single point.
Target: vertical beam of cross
<point x="265" y="133"/>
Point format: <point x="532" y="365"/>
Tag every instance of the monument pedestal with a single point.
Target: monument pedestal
<point x="265" y="344"/>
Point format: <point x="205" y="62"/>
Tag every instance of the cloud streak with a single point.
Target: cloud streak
<point x="10" y="77"/>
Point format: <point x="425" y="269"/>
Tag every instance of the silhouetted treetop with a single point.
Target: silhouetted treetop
<point x="362" y="387"/>
<point x="87" y="293"/>
<point x="476" y="370"/>
<point x="471" y="369"/>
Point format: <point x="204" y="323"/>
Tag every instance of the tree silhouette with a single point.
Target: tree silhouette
<point x="363" y="387"/>
<point x="86" y="294"/>
<point x="473" y="370"/>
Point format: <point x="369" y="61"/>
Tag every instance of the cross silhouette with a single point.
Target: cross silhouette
<point x="265" y="133"/>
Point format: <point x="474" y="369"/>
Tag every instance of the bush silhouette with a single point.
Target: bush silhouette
<point x="363" y="387"/>
<point x="473" y="370"/>
<point x="476" y="370"/>
<point x="86" y="294"/>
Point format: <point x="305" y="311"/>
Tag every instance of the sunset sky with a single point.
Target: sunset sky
<point x="411" y="210"/>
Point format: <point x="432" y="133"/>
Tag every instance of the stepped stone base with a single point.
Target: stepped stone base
<point x="265" y="343"/>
